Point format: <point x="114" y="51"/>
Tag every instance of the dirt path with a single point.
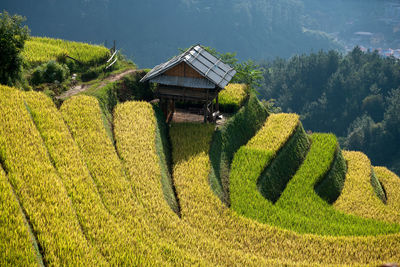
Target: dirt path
<point x="83" y="87"/>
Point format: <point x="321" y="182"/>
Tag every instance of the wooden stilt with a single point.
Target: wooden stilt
<point x="217" y="104"/>
<point x="205" y="112"/>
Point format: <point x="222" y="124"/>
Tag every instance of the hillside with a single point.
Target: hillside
<point x="101" y="186"/>
<point x="98" y="178"/>
<point x="147" y="31"/>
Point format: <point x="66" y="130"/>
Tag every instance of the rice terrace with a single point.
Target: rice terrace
<point x="106" y="177"/>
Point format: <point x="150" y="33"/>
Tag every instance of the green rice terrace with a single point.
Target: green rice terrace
<point x="99" y="178"/>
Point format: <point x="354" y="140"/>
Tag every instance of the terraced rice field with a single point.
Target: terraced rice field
<point x="41" y="49"/>
<point x="70" y="194"/>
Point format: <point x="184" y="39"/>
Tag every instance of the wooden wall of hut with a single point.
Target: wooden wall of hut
<point x="183" y="70"/>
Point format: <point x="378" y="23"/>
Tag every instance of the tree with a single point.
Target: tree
<point x="12" y="40"/>
<point x="392" y="117"/>
<point x="249" y="73"/>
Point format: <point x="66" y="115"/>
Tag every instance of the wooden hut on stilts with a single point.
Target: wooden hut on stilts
<point x="195" y="75"/>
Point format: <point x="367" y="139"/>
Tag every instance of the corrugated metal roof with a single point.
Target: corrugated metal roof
<point x="203" y="62"/>
<point x="183" y="81"/>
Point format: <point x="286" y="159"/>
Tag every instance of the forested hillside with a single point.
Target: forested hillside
<point x="371" y="23"/>
<point x="149" y="30"/>
<point x="356" y="96"/>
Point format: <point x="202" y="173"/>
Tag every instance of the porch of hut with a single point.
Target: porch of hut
<point x="194" y="77"/>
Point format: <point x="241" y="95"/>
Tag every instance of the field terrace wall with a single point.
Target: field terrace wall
<point x="228" y="138"/>
<point x="82" y="114"/>
<point x="284" y="135"/>
<point x="391" y="184"/>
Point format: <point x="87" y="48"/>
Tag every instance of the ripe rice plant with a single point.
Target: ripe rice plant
<point x="391" y="184"/>
<point x="16" y="244"/>
<point x="203" y="210"/>
<point x="233" y="97"/>
<point x="136" y="143"/>
<point x="358" y="196"/>
<point x="42" y="49"/>
<point x="118" y="244"/>
<point x="38" y="187"/>
<point x="83" y="117"/>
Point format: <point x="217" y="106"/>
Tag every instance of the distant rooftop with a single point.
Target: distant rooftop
<point x="213" y="69"/>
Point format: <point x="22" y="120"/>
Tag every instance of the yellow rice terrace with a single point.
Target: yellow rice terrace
<point x="72" y="194"/>
<point x="109" y="177"/>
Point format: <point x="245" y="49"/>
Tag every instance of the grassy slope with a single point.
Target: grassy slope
<point x="120" y="196"/>
<point x="232" y="98"/>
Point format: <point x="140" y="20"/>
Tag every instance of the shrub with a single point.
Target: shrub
<point x="49" y="72"/>
<point x="131" y="88"/>
<point x="12" y="40"/>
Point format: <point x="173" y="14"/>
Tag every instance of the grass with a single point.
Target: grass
<point x="163" y="148"/>
<point x="358" y="196"/>
<point x="39" y="188"/>
<point x="228" y="139"/>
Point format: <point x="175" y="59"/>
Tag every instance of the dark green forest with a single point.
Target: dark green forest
<point x="356" y="96"/>
<point x="150" y="31"/>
